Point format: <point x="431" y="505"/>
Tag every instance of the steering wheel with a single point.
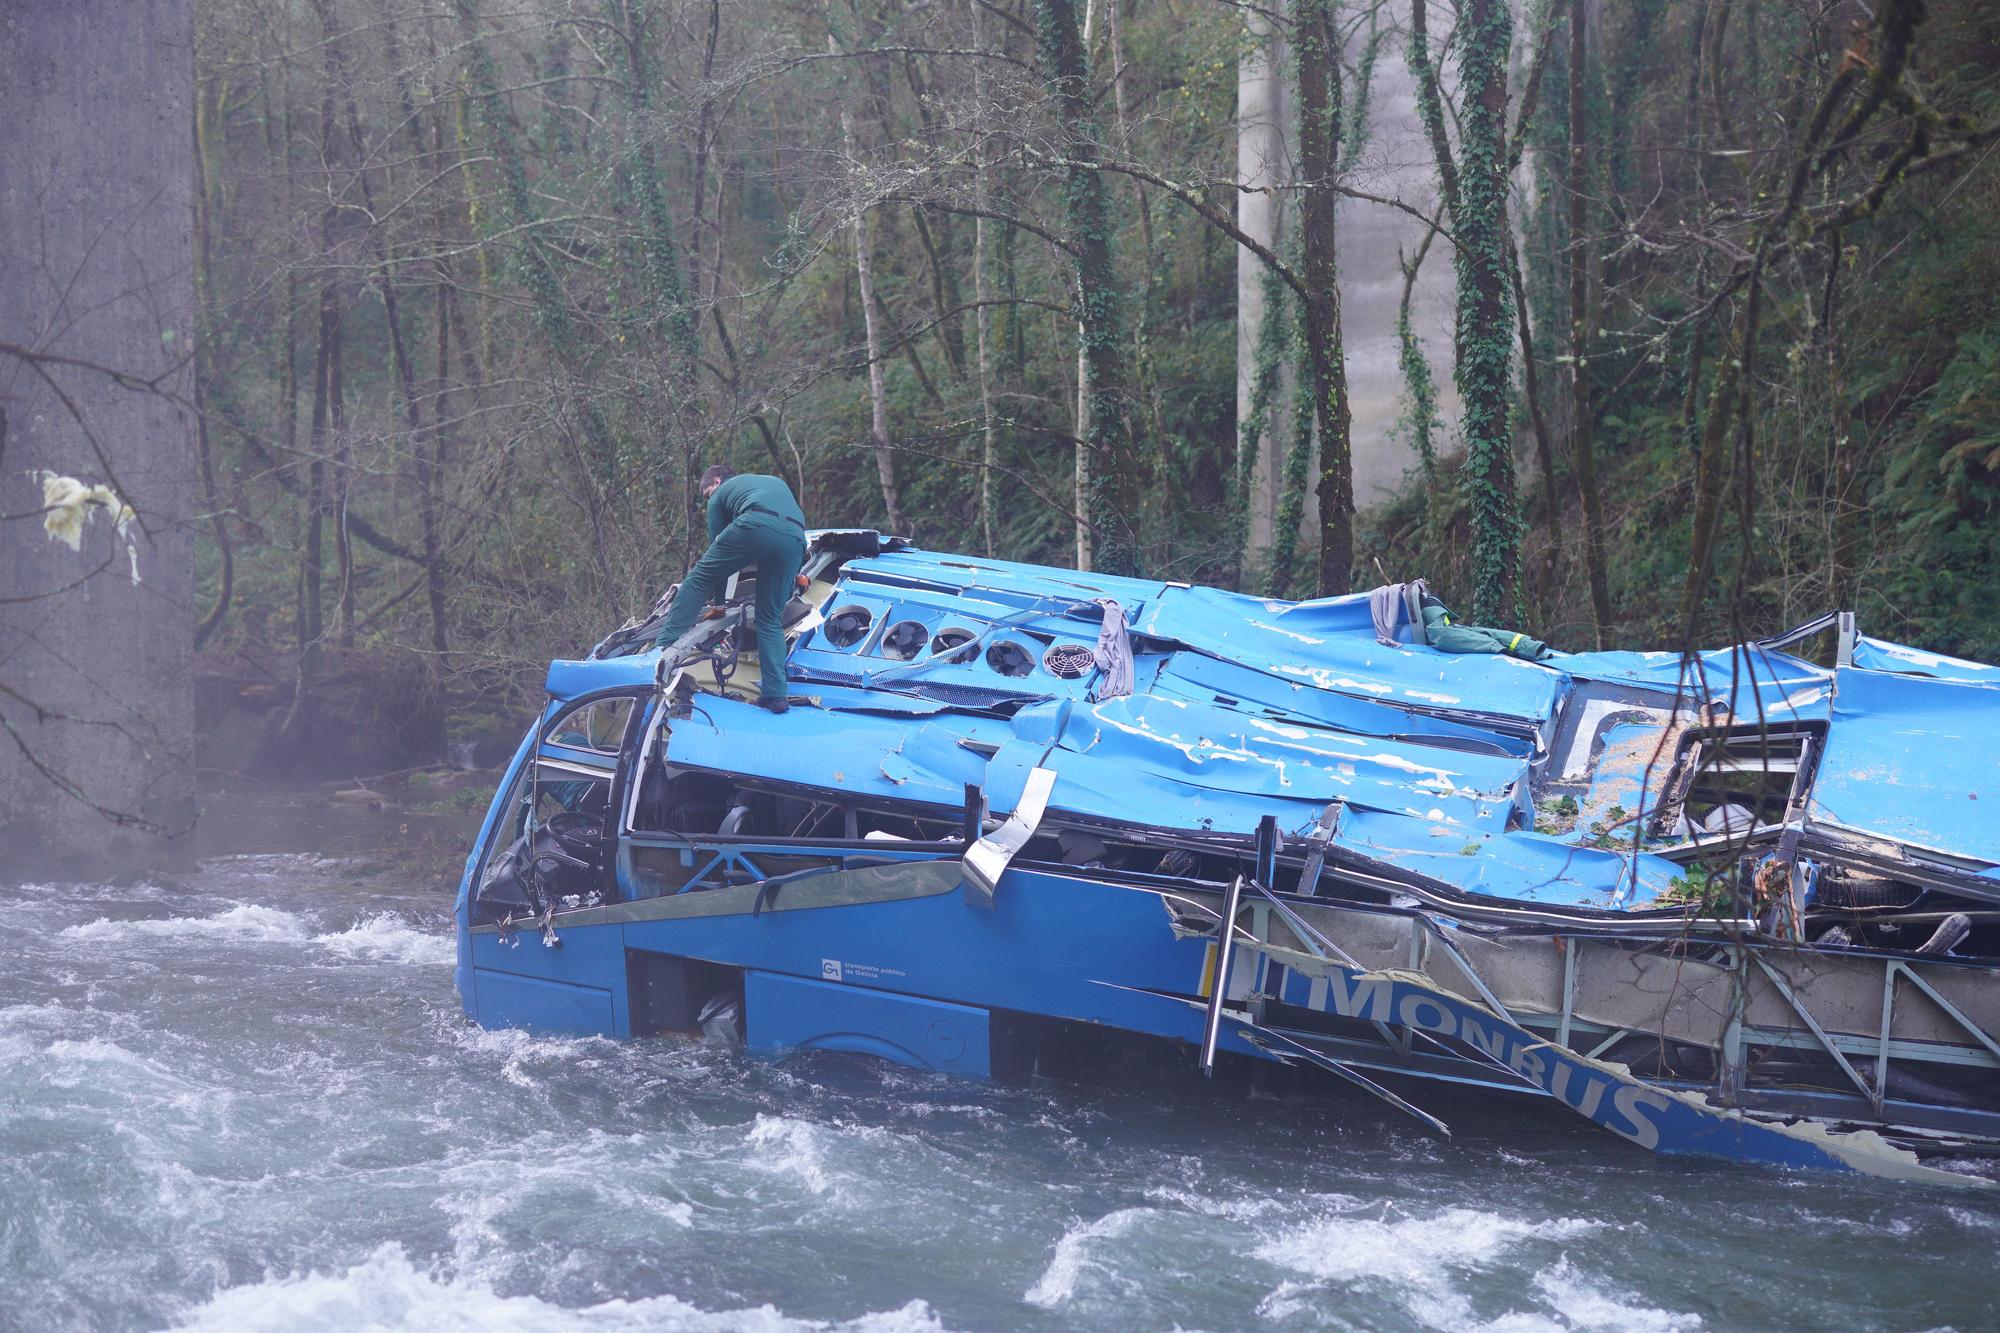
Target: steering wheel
<point x="579" y="835"/>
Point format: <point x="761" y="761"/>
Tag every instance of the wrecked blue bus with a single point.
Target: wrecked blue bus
<point x="1742" y="904"/>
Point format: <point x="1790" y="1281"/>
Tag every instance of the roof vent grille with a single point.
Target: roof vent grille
<point x="1068" y="661"/>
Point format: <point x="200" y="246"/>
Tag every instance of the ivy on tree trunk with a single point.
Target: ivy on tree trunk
<point x="1475" y="192"/>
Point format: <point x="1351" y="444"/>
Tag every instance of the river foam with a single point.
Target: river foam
<point x="387" y="938"/>
<point x="1073" y="1255"/>
<point x="247" y="923"/>
<point x="376" y="937"/>
<point x="387" y="1293"/>
<point x="1418" y="1260"/>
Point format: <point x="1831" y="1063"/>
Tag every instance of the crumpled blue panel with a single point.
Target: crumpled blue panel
<point x="1881" y="655"/>
<point x="1510" y="865"/>
<point x="1330" y="644"/>
<point x="1113" y="789"/>
<point x="1221" y="618"/>
<point x="1143" y="761"/>
<point x="1426" y="678"/>
<point x="1912" y="760"/>
<point x="1519" y="865"/>
<point x="567" y="679"/>
<point x="1205" y="679"/>
<point x="846" y="698"/>
<point x="896" y="758"/>
<point x="1754" y="680"/>
<point x="1218" y="749"/>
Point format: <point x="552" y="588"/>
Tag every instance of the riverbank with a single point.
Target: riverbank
<point x="415" y="827"/>
<point x="368" y="712"/>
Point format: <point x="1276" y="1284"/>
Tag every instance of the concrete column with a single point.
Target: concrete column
<point x="96" y="264"/>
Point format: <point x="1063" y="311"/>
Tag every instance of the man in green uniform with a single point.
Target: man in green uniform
<point x="753" y="523"/>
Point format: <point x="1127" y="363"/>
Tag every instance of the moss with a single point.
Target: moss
<point x="1710" y="894"/>
<point x="1556" y="815"/>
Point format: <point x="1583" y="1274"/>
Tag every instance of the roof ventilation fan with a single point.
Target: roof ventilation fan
<point x="950" y="643"/>
<point x="848" y="626"/>
<point x="1009" y="658"/>
<point x="904" y="640"/>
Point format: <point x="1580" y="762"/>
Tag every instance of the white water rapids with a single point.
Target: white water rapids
<point x="249" y="1101"/>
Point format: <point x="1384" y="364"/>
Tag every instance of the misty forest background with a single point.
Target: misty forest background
<point x="1684" y="316"/>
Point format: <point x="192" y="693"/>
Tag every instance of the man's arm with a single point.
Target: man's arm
<point x="716" y="521"/>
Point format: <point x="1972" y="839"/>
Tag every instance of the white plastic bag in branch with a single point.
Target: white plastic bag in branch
<point x="70" y="504"/>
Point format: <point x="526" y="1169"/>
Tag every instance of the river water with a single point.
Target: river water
<point x="248" y="1100"/>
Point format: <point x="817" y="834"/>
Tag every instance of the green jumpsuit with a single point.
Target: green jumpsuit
<point x="1448" y="636"/>
<point x="753" y="523"/>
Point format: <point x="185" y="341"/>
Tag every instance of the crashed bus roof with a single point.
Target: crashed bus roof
<point x="1508" y="779"/>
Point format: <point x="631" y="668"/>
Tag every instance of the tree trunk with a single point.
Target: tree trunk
<point x="1845" y="514"/>
<point x="343" y="484"/>
<point x="1581" y="317"/>
<point x="311" y="619"/>
<point x="1115" y="474"/>
<point x="288" y="359"/>
<point x="430" y="471"/>
<point x="204" y="280"/>
<point x="1080" y="469"/>
<point x="423" y="449"/>
<point x="878" y="392"/>
<point x="1418" y="384"/>
<point x="982" y="295"/>
<point x="1531" y="390"/>
<point x="1086" y="545"/>
<point x="1149" y="380"/>
<point x="701" y="150"/>
<point x="1262" y="162"/>
<point x="1316" y="38"/>
<point x="1475" y="193"/>
<point x="330" y="410"/>
<point x="431" y="497"/>
<point x="1485" y="352"/>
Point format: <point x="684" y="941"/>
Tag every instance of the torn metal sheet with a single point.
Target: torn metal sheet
<point x="986" y="861"/>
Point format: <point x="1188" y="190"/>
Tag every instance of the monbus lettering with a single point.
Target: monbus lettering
<point x="1493" y="1041"/>
<point x="1412" y="1013"/>
<point x="1590" y="1094"/>
<point x="1529" y="1065"/>
<point x="1629" y="1102"/>
<point x="1631" y="1110"/>
<point x="1359" y="997"/>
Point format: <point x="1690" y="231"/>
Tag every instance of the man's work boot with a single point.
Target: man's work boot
<point x="774" y="705"/>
